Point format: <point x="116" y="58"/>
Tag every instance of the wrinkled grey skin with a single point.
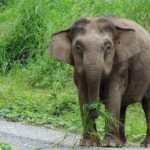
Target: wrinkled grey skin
<point x="111" y="60"/>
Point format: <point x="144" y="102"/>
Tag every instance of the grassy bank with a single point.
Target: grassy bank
<point x="37" y="89"/>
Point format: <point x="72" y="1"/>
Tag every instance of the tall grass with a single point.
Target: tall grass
<point x="4" y="3"/>
<point x="26" y="39"/>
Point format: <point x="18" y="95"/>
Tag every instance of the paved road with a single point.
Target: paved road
<point x="27" y="137"/>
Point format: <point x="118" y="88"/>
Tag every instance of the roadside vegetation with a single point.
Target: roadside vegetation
<point x="34" y="87"/>
<point x="4" y="146"/>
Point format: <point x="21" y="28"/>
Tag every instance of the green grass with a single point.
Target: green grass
<point x="37" y="89"/>
<point x="4" y="146"/>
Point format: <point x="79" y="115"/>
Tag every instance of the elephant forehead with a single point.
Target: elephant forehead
<point x="93" y="22"/>
<point x="92" y="37"/>
<point x="92" y="26"/>
<point x="83" y="21"/>
<point x="89" y="39"/>
<point x="85" y="24"/>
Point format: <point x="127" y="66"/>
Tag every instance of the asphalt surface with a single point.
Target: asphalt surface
<point x="28" y="137"/>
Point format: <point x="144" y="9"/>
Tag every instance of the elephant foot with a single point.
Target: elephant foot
<point x="146" y="142"/>
<point x="88" y="142"/>
<point x="110" y="141"/>
<point x="123" y="139"/>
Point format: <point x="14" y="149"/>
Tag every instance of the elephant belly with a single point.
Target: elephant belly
<point x="138" y="80"/>
<point x="135" y="92"/>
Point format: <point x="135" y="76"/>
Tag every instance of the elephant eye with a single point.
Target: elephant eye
<point x="108" y="47"/>
<point x="78" y="48"/>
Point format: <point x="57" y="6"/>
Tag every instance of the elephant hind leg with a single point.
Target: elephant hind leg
<point x="146" y="108"/>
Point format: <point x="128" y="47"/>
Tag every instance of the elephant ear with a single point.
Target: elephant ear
<point x="126" y="43"/>
<point x="61" y="46"/>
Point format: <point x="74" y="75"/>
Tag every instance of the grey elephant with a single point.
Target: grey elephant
<point x="111" y="60"/>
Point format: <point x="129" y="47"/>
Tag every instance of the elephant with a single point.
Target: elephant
<point x="111" y="60"/>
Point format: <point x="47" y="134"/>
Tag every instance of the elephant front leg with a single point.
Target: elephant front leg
<point x="122" y="124"/>
<point x="89" y="137"/>
<point x="113" y="106"/>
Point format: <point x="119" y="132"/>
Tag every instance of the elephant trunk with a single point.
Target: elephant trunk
<point x="93" y="71"/>
<point x="93" y="95"/>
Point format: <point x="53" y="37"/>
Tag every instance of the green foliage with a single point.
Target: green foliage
<point x="4" y="146"/>
<point x="37" y="106"/>
<point x="4" y="3"/>
<point x="27" y="36"/>
<point x="63" y="108"/>
<point x="47" y="73"/>
<point x="88" y="122"/>
<point x="38" y="89"/>
<point x="93" y="105"/>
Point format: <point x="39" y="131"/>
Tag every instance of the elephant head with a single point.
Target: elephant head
<point x="93" y="46"/>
